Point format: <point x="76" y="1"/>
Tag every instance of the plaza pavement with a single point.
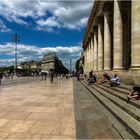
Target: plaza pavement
<point x="43" y="110"/>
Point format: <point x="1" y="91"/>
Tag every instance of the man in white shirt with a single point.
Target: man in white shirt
<point x="115" y="80"/>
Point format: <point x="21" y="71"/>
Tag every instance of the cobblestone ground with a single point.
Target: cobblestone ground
<point x="35" y="109"/>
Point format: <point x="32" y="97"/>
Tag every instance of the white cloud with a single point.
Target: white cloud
<point x="50" y="22"/>
<point x="3" y="27"/>
<point x="62" y="14"/>
<point x="30" y="52"/>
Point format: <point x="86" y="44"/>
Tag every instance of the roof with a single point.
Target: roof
<point x="49" y="57"/>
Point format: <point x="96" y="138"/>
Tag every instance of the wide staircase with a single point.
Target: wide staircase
<point x="115" y="101"/>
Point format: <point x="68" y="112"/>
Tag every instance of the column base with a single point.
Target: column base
<point x="107" y="69"/>
<point x="134" y="67"/>
<point x="118" y="68"/>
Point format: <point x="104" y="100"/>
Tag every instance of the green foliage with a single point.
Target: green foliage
<point x="77" y="65"/>
<point x="9" y="69"/>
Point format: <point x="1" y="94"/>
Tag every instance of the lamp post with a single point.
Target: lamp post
<point x="70" y="64"/>
<point x="16" y="40"/>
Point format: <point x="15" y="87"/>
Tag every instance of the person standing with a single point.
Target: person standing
<point x="1" y="75"/>
<point x="51" y="75"/>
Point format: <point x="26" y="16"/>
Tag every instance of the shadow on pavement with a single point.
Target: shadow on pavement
<point x="81" y="132"/>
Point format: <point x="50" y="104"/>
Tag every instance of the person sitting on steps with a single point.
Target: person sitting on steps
<point x="106" y="78"/>
<point x="92" y="78"/>
<point x="115" y="80"/>
<point x="135" y="94"/>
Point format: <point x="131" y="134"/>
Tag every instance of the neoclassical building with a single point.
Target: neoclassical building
<point x="112" y="39"/>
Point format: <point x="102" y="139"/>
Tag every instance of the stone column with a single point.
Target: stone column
<point x="92" y="53"/>
<point x="89" y="55"/>
<point x="85" y="61"/>
<point x="100" y="47"/>
<point x="87" y="58"/>
<point x="135" y="47"/>
<point x="118" y="38"/>
<point x="107" y="43"/>
<point x="95" y="50"/>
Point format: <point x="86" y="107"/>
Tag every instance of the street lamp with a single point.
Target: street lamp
<point x="70" y="64"/>
<point x="16" y="40"/>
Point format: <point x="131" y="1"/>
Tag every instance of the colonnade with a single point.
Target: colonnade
<point x="112" y="38"/>
<point x="110" y="44"/>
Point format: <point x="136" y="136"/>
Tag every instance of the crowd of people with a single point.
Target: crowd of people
<point x="43" y="75"/>
<point x="114" y="81"/>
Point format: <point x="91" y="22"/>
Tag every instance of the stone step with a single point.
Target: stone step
<point x="125" y="86"/>
<point x="119" y="99"/>
<point x="132" y="110"/>
<point x="120" y="94"/>
<point x="129" y="122"/>
<point x="119" y="89"/>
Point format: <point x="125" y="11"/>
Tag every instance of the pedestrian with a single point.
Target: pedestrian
<point x="1" y="75"/>
<point x="42" y="75"/>
<point x="45" y="75"/>
<point x="51" y="75"/>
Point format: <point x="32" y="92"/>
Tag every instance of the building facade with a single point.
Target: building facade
<point x="51" y="62"/>
<point x="48" y="62"/>
<point x="111" y="41"/>
<point x="34" y="65"/>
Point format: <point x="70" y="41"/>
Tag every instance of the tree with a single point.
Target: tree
<point x="77" y="65"/>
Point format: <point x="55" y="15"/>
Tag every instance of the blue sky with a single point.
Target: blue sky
<point x="43" y="26"/>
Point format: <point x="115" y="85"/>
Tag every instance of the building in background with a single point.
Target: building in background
<point x="34" y="65"/>
<point x="51" y="62"/>
<point x="28" y="68"/>
<point x="111" y="41"/>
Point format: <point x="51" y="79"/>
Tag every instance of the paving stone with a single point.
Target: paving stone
<point x="45" y="116"/>
<point x="17" y="126"/>
<point x="90" y="109"/>
<point x="46" y="127"/>
<point x="56" y="137"/>
<point x="97" y="126"/>
<point x="34" y="109"/>
<point x="17" y="115"/>
<point x="93" y="116"/>
<point x="3" y="113"/>
<point x="108" y="134"/>
<point x="3" y="135"/>
<point x="68" y="118"/>
<point x="3" y="122"/>
<point x="81" y="131"/>
<point x="32" y="104"/>
<point x="23" y="136"/>
<point x="68" y="129"/>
